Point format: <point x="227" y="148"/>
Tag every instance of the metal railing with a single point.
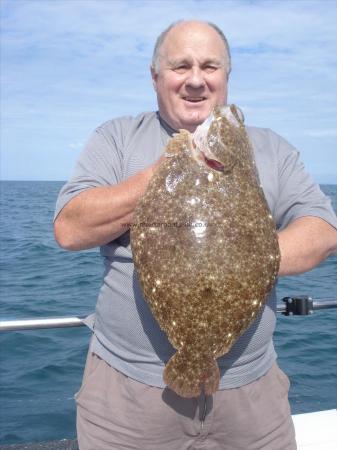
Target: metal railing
<point x="300" y="305"/>
<point x="304" y="305"/>
<point x="43" y="322"/>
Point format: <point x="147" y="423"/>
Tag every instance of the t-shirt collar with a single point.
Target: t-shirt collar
<point x="169" y="130"/>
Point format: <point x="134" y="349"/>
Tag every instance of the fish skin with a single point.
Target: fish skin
<point x="205" y="250"/>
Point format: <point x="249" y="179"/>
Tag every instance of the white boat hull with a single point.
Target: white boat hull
<point x="316" y="430"/>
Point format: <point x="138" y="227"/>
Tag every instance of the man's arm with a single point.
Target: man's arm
<point x="305" y="243"/>
<point x="98" y="215"/>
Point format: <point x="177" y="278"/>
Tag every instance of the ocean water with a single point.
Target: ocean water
<point x="42" y="369"/>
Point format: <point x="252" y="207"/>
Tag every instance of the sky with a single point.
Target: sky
<point x="69" y="65"/>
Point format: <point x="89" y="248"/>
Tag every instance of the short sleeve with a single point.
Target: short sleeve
<point x="99" y="164"/>
<point x="298" y="194"/>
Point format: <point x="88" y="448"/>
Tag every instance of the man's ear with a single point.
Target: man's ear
<point x="154" y="76"/>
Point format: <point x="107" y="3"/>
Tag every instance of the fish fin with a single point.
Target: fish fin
<point x="238" y="114"/>
<point x="187" y="378"/>
<point x="179" y="140"/>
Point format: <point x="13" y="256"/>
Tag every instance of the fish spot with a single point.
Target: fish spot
<point x="207" y="292"/>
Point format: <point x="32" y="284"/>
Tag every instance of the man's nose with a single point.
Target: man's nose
<point x="195" y="78"/>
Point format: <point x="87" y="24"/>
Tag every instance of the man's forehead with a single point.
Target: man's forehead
<point x="179" y="54"/>
<point x="190" y="59"/>
<point x="189" y="33"/>
<point x="186" y="38"/>
<point x="189" y="28"/>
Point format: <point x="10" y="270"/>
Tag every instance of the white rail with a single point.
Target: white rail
<point x="292" y="306"/>
<point x="48" y="322"/>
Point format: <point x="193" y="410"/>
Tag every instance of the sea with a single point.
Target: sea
<point x="42" y="369"/>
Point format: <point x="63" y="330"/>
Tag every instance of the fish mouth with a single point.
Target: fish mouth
<point x="201" y="151"/>
<point x="207" y="161"/>
<point x="212" y="163"/>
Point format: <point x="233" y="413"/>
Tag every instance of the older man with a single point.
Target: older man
<point x="122" y="402"/>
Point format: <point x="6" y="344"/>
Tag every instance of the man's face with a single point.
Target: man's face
<point x="192" y="76"/>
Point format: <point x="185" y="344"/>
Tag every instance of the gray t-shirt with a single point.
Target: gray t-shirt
<point x="125" y="332"/>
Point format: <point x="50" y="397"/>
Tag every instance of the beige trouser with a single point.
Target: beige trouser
<point x="115" y="412"/>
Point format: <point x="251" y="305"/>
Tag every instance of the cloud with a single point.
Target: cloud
<point x="70" y="64"/>
<point x="322" y="133"/>
<point x="76" y="145"/>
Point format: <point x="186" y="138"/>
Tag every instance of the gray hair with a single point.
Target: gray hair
<point x="162" y="36"/>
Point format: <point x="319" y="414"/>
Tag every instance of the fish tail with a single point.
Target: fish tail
<point x="188" y="377"/>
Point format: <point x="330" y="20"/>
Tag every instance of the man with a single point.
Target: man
<point x="122" y="402"/>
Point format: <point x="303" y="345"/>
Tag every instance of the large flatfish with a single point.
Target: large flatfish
<point x="205" y="247"/>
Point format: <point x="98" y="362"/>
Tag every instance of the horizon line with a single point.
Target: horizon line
<point x="332" y="183"/>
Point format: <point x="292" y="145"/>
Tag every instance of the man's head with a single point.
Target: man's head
<point x="190" y="68"/>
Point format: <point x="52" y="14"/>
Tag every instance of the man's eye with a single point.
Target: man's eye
<point x="210" y="68"/>
<point x="181" y="69"/>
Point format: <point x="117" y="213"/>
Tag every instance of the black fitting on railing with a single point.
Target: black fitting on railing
<point x="302" y="305"/>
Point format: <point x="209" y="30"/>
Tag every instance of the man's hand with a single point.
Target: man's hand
<point x="305" y="243"/>
<point x="98" y="215"/>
